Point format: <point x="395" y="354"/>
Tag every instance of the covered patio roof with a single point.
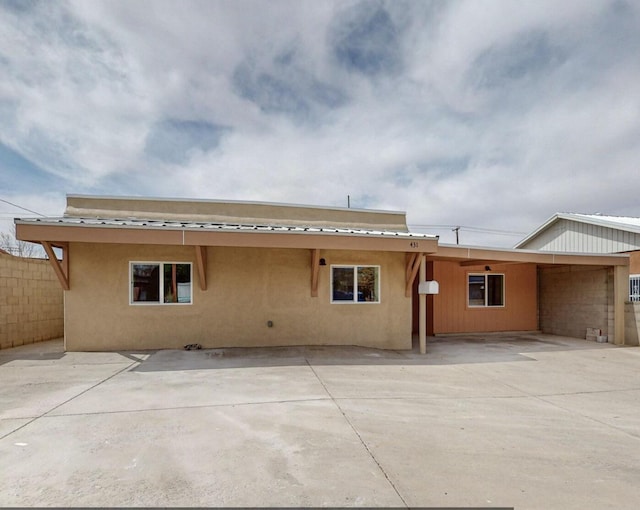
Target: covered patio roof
<point x="477" y="256"/>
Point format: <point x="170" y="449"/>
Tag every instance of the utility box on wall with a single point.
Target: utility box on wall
<point x="430" y="287"/>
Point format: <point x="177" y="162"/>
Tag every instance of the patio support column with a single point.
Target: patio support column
<point x="422" y="316"/>
<point x="620" y="295"/>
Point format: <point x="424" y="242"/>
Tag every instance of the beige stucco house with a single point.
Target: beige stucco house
<point x="144" y="273"/>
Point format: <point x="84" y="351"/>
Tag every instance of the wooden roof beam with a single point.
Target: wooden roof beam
<point x="467" y="263"/>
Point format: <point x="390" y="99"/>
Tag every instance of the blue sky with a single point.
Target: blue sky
<point x="491" y="115"/>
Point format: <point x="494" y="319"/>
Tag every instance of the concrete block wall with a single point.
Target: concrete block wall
<point x="31" y="302"/>
<point x="632" y="323"/>
<point x="574" y="298"/>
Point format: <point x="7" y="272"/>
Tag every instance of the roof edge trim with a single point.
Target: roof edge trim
<point x="240" y="202"/>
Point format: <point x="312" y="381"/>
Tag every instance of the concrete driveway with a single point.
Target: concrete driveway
<point x="525" y="422"/>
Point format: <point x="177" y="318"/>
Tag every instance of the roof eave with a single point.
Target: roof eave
<point x="539" y="230"/>
<point x="174" y="235"/>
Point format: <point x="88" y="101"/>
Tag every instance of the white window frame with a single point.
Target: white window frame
<point x="634" y="284"/>
<point x="355" y="284"/>
<point x="161" y="283"/>
<point x="486" y="294"/>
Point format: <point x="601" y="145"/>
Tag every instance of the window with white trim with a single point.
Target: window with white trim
<point x="160" y="283"/>
<point x="355" y="284"/>
<point x="634" y="288"/>
<point x="485" y="290"/>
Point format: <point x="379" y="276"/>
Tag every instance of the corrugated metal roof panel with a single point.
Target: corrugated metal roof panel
<point x="625" y="221"/>
<point x="189" y="225"/>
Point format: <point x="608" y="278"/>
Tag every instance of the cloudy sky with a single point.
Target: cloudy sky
<point x="489" y="115"/>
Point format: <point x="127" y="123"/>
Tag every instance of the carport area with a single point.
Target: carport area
<point x="531" y="421"/>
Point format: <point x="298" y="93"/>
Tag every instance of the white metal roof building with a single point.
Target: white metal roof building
<point x="585" y="233"/>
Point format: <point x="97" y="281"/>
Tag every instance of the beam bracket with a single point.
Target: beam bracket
<point x="315" y="270"/>
<point x="413" y="264"/>
<point x="61" y="268"/>
<point x="201" y="262"/>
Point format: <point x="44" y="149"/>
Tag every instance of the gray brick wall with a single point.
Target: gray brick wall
<point x="632" y="323"/>
<point x="31" y="302"/>
<point x="574" y="298"/>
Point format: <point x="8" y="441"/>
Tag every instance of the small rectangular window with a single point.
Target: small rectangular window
<point x="355" y="284"/>
<point x="160" y="283"/>
<point x="485" y="290"/>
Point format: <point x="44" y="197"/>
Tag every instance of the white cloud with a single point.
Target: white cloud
<point x="491" y="114"/>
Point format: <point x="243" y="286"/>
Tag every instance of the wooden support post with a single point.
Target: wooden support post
<point x="315" y="270"/>
<point x="201" y="261"/>
<point x="61" y="270"/>
<point x="422" y="316"/>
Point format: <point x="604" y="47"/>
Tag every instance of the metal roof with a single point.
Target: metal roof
<point x="625" y="223"/>
<point x="137" y="223"/>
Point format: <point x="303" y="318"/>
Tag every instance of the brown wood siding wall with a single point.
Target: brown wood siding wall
<point x="634" y="262"/>
<point x="452" y="315"/>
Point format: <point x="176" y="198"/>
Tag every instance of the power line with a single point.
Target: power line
<point x="20" y="207"/>
<point x="471" y="229"/>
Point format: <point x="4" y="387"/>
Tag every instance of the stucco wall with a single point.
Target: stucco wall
<point x="574" y="298"/>
<point x="451" y="313"/>
<point x="246" y="288"/>
<point x="31" y="302"/>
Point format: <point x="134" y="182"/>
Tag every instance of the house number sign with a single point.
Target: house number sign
<point x="413" y="244"/>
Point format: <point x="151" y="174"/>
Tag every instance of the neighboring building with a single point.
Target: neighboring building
<point x="143" y="273"/>
<point x="590" y="233"/>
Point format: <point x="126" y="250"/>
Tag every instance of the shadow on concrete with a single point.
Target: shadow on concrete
<point x="49" y="350"/>
<point x="440" y="351"/>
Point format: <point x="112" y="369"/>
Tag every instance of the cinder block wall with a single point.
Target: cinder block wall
<point x="31" y="302"/>
<point x="574" y="298"/>
<point x="632" y="323"/>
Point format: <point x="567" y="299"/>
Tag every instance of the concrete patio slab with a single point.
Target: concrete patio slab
<point x="407" y="381"/>
<point x="9" y="425"/>
<point x="197" y="387"/>
<point x="291" y="454"/>
<point x="530" y="421"/>
<point x="35" y="390"/>
<point x="506" y="452"/>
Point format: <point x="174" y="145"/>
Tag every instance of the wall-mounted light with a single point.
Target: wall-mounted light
<point x="487" y="268"/>
<point x="323" y="262"/>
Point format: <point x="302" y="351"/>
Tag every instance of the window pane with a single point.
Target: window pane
<point x="145" y="283"/>
<point x="495" y="294"/>
<point x="342" y="283"/>
<point x="368" y="284"/>
<point x="177" y="283"/>
<point x="476" y="290"/>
